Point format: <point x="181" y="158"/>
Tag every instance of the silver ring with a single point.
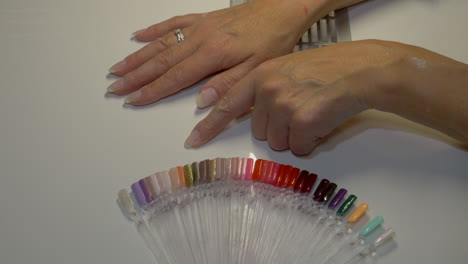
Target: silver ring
<point x="179" y="35"/>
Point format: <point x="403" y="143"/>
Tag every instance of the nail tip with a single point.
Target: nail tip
<point x="188" y="144"/>
<point x="207" y="97"/>
<point x="199" y="102"/>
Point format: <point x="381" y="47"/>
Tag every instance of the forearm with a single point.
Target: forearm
<point x="346" y="3"/>
<point x="320" y="8"/>
<point x="298" y="15"/>
<point x="430" y="89"/>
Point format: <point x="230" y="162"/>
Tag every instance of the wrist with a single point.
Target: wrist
<point x="297" y="15"/>
<point x="424" y="87"/>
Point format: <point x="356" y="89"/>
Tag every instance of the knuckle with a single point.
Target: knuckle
<point x="300" y="121"/>
<point x="217" y="46"/>
<point x="176" y="74"/>
<point x="225" y="105"/>
<point x="165" y="59"/>
<point x="265" y="68"/>
<point x="226" y="80"/>
<point x="164" y="42"/>
<point x="271" y="87"/>
<point x="285" y="106"/>
<point x="174" y="21"/>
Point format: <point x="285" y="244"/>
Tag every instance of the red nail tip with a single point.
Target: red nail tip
<point x="309" y="183"/>
<point x="264" y="170"/>
<point x="268" y="175"/>
<point x="285" y="176"/>
<point x="274" y="173"/>
<point x="301" y="180"/>
<point x="257" y="169"/>
<point x="293" y="177"/>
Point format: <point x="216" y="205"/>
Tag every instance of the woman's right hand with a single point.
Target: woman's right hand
<point x="298" y="99"/>
<point x="229" y="42"/>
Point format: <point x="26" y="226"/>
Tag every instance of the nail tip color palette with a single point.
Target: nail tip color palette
<point x="241" y="210"/>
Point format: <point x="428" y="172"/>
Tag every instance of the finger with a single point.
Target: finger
<point x="182" y="75"/>
<point x="267" y="94"/>
<point x="235" y="103"/>
<point x="260" y="119"/>
<point x="218" y="86"/>
<point x="283" y="106"/>
<point x="306" y="131"/>
<point x="153" y="68"/>
<point x="319" y="116"/>
<point x="278" y="130"/>
<point x="155" y="31"/>
<point x="136" y="59"/>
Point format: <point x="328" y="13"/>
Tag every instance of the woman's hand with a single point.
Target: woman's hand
<point x="230" y="42"/>
<point x="298" y="99"/>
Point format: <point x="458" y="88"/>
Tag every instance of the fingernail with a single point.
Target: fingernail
<point x="138" y="32"/>
<point x="117" y="85"/>
<point x="133" y="97"/>
<point x="207" y="97"/>
<point x="192" y="140"/>
<point x="118" y="66"/>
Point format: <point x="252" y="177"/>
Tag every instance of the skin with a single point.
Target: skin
<point x="299" y="99"/>
<point x="230" y="42"/>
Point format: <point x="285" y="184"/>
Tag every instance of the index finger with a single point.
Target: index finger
<point x="236" y="102"/>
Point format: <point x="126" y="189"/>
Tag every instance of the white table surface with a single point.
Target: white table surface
<point x="66" y="149"/>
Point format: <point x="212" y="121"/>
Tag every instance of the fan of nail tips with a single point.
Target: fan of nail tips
<point x="237" y="210"/>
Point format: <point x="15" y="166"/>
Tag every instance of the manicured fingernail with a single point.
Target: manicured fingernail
<point x="118" y="66"/>
<point x="117" y="85"/>
<point x="138" y="32"/>
<point x="133" y="97"/>
<point x="192" y="140"/>
<point x="207" y="97"/>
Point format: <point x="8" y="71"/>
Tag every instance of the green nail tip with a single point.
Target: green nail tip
<point x="195" y="175"/>
<point x="371" y="226"/>
<point x="188" y="175"/>
<point x="347" y="205"/>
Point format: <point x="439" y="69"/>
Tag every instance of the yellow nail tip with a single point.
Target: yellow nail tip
<point x="358" y="213"/>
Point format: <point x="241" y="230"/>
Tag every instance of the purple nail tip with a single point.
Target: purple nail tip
<point x="138" y="193"/>
<point x="337" y="199"/>
<point x="144" y="188"/>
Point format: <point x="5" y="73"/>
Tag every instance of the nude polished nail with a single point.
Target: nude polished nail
<point x="133" y="97"/>
<point x="207" y="97"/>
<point x="118" y="66"/>
<point x="116" y="86"/>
